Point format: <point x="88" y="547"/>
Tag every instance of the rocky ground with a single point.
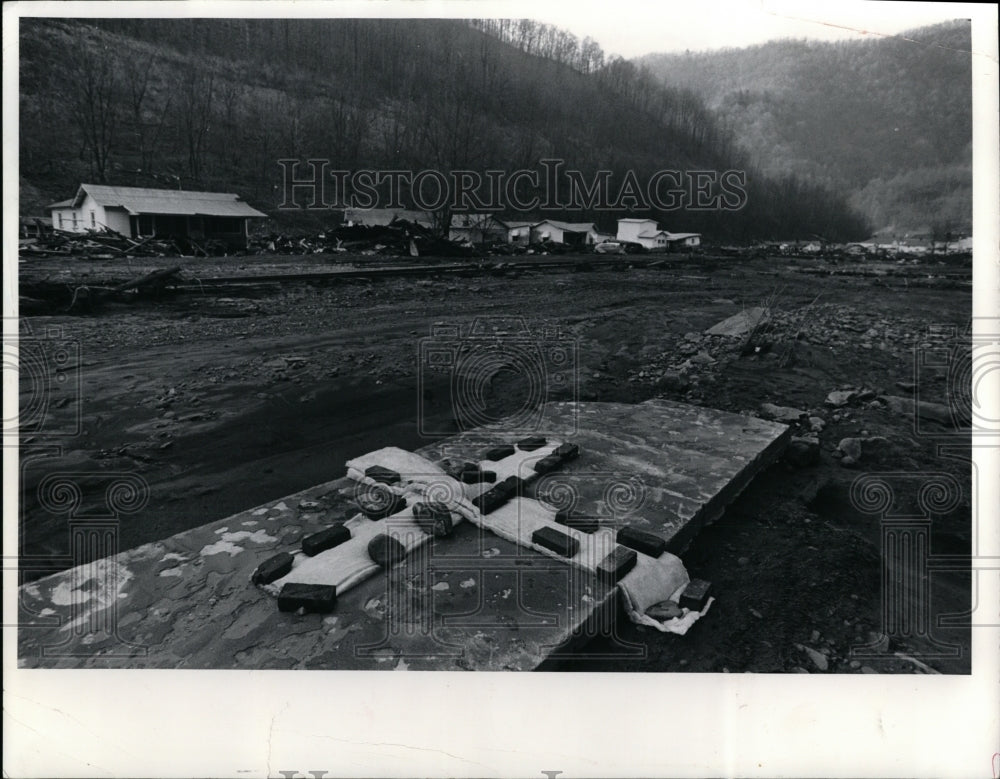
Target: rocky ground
<point x="221" y="401"/>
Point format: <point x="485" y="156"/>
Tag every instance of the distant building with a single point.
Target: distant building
<point x="647" y="233"/>
<point x="137" y="212"/>
<point x="517" y="232"/>
<point x="381" y="217"/>
<point x="477" y="229"/>
<point x="569" y="233"/>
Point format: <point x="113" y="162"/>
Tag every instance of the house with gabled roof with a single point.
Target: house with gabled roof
<point x="139" y="212"/>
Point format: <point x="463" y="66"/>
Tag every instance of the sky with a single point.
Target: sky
<point x="632" y="28"/>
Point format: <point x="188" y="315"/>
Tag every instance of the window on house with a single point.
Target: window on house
<point x="74" y="219"/>
<point x="93" y="220"/>
<point x="60" y="221"/>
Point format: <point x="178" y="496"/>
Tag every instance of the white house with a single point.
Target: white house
<point x="647" y="233"/>
<point x="569" y="233"/>
<point x="138" y="212"/>
<point x="517" y="232"/>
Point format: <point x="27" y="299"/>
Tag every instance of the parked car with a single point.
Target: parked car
<point x="609" y="247"/>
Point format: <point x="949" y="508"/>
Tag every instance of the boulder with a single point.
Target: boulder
<point x="741" y="323"/>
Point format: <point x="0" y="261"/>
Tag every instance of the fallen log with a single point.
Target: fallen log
<point x="155" y="279"/>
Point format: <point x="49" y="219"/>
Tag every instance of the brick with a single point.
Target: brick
<point x="531" y="443"/>
<point x="475" y="475"/>
<point x="512" y="486"/>
<point x="316" y="598"/>
<point x="380" y="503"/>
<point x="434" y="518"/>
<point x="581" y="522"/>
<point x="618" y="563"/>
<point x="499" y="452"/>
<point x="642" y="541"/>
<point x="386" y="550"/>
<point x="491" y="500"/>
<point x="325" y="539"/>
<point x="382" y="475"/>
<point x="560" y="543"/>
<point x="547" y="464"/>
<point x="567" y="452"/>
<point x="272" y="568"/>
<point x="696" y="594"/>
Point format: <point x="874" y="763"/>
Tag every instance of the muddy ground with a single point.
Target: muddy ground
<point x="222" y="400"/>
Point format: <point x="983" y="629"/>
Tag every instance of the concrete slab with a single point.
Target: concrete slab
<point x="471" y="601"/>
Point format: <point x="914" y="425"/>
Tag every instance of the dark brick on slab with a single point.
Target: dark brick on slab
<point x="618" y="563"/>
<point x="531" y="443"/>
<point x="547" y="464"/>
<point x="642" y="541"/>
<point x="512" y="486"/>
<point x="272" y="568"/>
<point x="552" y="539"/>
<point x="499" y="452"/>
<point x="434" y="518"/>
<point x="314" y="598"/>
<point x="386" y="550"/>
<point x="581" y="522"/>
<point x="491" y="500"/>
<point x="476" y="476"/>
<point x="696" y="594"/>
<point x="380" y="503"/>
<point x="325" y="539"/>
<point x="567" y="452"/>
<point x="382" y="475"/>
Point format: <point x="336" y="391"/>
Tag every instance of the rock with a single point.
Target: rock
<point x="672" y="380"/>
<point x="664" y="610"/>
<point x="703" y="358"/>
<point x="818" y="659"/>
<point x="802" y="452"/>
<point x="814" y="637"/>
<point x="816" y="424"/>
<point x="867" y="669"/>
<point x="934" y="412"/>
<point x="906" y="386"/>
<point x="850" y="448"/>
<point x="855" y="664"/>
<point x="757" y="614"/>
<point x="741" y="323"/>
<point x="386" y="550"/>
<point x="839" y="398"/>
<point x="743" y="561"/>
<point x="781" y="413"/>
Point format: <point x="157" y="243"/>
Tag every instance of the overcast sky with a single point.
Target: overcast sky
<point x="632" y="28"/>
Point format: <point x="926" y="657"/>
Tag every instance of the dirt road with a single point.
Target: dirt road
<point x="223" y="401"/>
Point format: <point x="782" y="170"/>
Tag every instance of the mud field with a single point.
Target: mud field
<point x="223" y="397"/>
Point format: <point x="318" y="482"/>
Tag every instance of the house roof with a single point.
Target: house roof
<point x="682" y="236"/>
<point x="569" y="227"/>
<point x="178" y="202"/>
<point x="61" y="204"/>
<point x="636" y="220"/>
<point x="654" y="234"/>
<point x="512" y="225"/>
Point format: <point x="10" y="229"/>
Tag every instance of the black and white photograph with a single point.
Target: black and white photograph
<point x="641" y="345"/>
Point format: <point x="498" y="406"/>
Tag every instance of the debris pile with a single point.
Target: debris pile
<point x="106" y="244"/>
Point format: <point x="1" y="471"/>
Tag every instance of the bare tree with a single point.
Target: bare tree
<point x="97" y="104"/>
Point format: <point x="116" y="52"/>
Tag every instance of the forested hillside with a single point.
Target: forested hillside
<point x="887" y="120"/>
<point x="213" y="104"/>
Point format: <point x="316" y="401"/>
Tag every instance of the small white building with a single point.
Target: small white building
<point x="569" y="233"/>
<point x="138" y="212"/>
<point x="647" y="233"/>
<point x="517" y="232"/>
